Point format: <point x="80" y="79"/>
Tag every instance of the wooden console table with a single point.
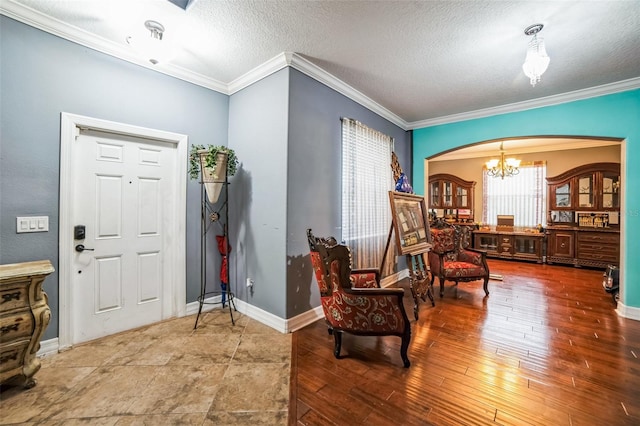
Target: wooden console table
<point x="515" y="243"/>
<point x="24" y="316"/>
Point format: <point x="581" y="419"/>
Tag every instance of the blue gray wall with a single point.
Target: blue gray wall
<point x="314" y="175"/>
<point x="258" y="134"/>
<point x="42" y="76"/>
<point x="284" y="128"/>
<point x="286" y="131"/>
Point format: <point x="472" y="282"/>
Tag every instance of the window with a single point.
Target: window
<point x="524" y="196"/>
<point x="366" y="181"/>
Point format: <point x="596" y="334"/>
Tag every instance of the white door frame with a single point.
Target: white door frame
<point x="171" y="306"/>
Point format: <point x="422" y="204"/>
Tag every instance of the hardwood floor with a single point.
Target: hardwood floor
<point x="545" y="348"/>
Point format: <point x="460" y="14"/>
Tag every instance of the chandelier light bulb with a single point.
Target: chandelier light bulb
<point x="502" y="167"/>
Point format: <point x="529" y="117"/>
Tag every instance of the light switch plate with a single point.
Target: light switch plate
<point x="32" y="224"/>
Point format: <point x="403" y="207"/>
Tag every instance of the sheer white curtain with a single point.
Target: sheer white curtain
<point x="366" y="180"/>
<point x="524" y="196"/>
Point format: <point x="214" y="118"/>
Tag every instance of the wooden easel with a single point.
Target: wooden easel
<point x="419" y="275"/>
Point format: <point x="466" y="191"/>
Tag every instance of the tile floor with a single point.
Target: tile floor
<point x="163" y="374"/>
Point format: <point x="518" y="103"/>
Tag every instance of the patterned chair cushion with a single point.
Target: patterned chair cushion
<point x="462" y="269"/>
<point x="443" y="240"/>
<point x="364" y="280"/>
<point x="361" y="313"/>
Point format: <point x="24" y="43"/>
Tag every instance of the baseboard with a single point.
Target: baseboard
<point x="48" y="347"/>
<point x="210" y="303"/>
<point x="628" y="311"/>
<point x="304" y="319"/>
<point x="243" y="307"/>
<point x="394" y="278"/>
<point x="262" y="316"/>
<point x="290" y="325"/>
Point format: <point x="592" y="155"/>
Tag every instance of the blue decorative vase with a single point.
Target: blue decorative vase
<point x="403" y="185"/>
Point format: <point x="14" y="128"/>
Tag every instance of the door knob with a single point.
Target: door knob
<point x="80" y="248"/>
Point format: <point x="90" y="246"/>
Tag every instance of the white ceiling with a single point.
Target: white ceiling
<point x="417" y="61"/>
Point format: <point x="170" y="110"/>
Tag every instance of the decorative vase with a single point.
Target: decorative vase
<point x="213" y="178"/>
<point x="403" y="185"/>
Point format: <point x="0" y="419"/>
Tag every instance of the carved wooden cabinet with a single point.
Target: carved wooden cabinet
<point x="24" y="316"/>
<point x="583" y="216"/>
<point x="451" y="194"/>
<point x="560" y="245"/>
<point x="520" y="244"/>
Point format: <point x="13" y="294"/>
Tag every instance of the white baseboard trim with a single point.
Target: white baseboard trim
<point x="209" y="305"/>
<point x="628" y="311"/>
<point x="290" y="325"/>
<point x="48" y="347"/>
<point x="394" y="278"/>
<point x="243" y="307"/>
<point x="304" y="319"/>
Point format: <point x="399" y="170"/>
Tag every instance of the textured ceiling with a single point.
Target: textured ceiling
<point x="418" y="59"/>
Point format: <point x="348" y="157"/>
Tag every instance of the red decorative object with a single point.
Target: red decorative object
<point x="224" y="273"/>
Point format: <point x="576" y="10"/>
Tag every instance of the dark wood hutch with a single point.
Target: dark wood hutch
<point x="583" y="218"/>
<point x="452" y="197"/>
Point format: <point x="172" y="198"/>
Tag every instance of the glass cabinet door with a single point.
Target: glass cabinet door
<point x="447" y="194"/>
<point x="462" y="198"/>
<point x="563" y="195"/>
<point x="487" y="242"/>
<point x="526" y="245"/>
<point x="435" y="194"/>
<point x="585" y="191"/>
<point x="610" y="194"/>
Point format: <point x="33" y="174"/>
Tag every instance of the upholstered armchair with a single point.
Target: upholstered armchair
<point x="353" y="301"/>
<point x="450" y="260"/>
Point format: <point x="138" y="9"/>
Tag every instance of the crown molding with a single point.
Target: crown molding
<point x="312" y="70"/>
<point x="577" y="95"/>
<point x="56" y="27"/>
<point x="63" y="30"/>
<point x="258" y="73"/>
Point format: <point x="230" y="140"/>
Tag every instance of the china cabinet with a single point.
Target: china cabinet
<point x="452" y="195"/>
<point x="583" y="216"/>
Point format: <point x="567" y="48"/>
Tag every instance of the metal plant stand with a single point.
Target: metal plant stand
<point x="209" y="217"/>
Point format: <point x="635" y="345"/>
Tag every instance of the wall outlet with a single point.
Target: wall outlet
<point x="249" y="282"/>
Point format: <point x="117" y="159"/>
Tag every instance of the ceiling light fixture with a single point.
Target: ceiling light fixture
<point x="502" y="167"/>
<point x="537" y="60"/>
<point x="151" y="47"/>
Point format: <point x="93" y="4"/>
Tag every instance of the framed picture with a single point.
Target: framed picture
<point x="410" y="223"/>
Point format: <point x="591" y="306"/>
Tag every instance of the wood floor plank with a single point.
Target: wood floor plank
<point x="545" y="347"/>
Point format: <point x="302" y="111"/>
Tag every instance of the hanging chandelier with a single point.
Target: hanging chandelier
<point x="503" y="167"/>
<point x="537" y="60"/>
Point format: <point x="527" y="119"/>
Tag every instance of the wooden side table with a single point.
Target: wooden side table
<point x="24" y="316"/>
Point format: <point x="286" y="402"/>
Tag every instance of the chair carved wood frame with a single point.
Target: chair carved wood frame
<point x="353" y="301"/>
<point x="450" y="260"/>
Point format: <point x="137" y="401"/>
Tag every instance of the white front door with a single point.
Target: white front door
<point x="124" y="197"/>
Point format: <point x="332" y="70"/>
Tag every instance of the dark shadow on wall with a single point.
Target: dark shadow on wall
<point x="299" y="282"/>
<point x="240" y="233"/>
